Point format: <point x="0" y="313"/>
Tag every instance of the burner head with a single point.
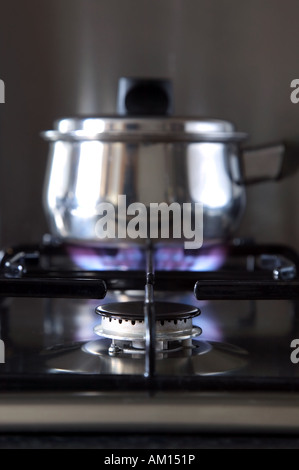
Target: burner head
<point x="134" y="311"/>
<point x="124" y="322"/>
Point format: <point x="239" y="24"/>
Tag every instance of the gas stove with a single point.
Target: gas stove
<point x="155" y="339"/>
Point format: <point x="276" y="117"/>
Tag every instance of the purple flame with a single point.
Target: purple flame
<point x="165" y="258"/>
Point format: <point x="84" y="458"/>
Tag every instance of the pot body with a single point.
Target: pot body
<point x="87" y="171"/>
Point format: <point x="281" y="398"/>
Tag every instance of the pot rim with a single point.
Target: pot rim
<point x="143" y="129"/>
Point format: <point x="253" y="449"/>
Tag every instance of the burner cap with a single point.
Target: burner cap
<point x="135" y="311"/>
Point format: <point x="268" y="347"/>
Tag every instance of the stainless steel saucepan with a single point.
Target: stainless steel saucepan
<point x="149" y="159"/>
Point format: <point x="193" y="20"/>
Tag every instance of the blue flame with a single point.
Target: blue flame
<point x="165" y="258"/>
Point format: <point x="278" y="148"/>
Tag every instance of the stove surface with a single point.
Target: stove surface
<point x="39" y="333"/>
<point x="243" y="376"/>
<point x="238" y="375"/>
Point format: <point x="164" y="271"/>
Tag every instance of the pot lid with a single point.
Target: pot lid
<point x="144" y="114"/>
<point x="144" y="129"/>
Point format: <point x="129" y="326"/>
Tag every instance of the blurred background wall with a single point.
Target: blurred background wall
<point x="227" y="58"/>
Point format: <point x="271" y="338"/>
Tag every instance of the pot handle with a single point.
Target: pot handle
<point x="269" y="163"/>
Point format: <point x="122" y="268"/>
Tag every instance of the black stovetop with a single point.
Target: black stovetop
<point x="244" y="350"/>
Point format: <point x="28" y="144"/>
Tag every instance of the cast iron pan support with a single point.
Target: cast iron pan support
<point x="149" y="316"/>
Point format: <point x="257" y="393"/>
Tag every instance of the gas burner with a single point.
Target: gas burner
<point x="121" y="348"/>
<point x="124" y="324"/>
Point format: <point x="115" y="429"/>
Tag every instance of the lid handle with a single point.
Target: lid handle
<point x="144" y="97"/>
